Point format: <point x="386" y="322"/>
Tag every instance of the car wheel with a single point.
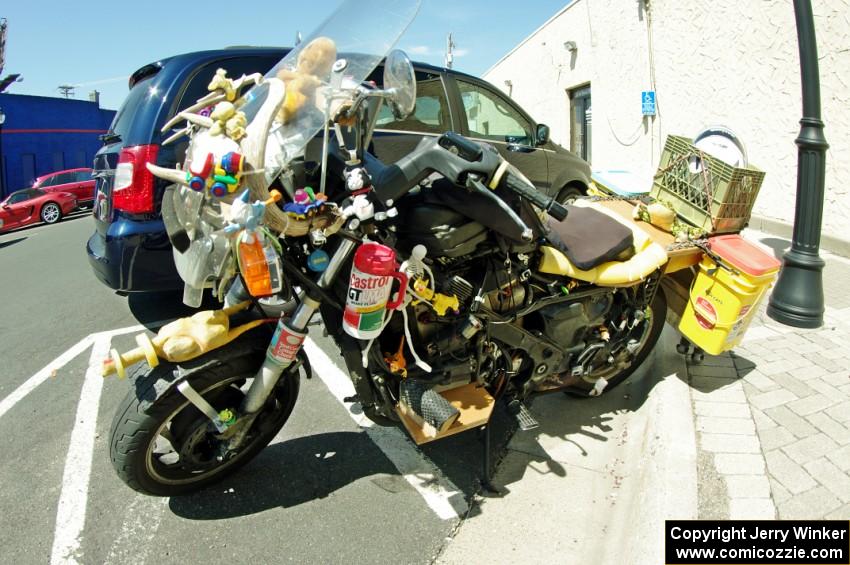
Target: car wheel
<point x="569" y="194"/>
<point x="51" y="213"/>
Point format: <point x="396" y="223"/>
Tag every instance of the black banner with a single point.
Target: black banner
<point x="757" y="542"/>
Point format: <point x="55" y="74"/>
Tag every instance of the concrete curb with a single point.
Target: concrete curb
<point x="597" y="480"/>
<point x="779" y="228"/>
<point x="665" y="456"/>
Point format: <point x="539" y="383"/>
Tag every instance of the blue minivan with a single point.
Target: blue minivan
<point x="130" y="251"/>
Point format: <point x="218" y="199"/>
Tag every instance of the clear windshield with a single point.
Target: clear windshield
<point x="317" y="75"/>
<point x="341" y="53"/>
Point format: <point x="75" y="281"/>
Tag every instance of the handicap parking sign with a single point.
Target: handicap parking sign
<point x="648" y="102"/>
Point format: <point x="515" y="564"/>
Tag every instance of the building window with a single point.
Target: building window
<point x="580" y="122"/>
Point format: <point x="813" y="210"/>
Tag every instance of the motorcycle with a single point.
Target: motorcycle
<point x="446" y="279"/>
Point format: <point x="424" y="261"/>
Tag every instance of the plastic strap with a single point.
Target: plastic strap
<point x="497" y="176"/>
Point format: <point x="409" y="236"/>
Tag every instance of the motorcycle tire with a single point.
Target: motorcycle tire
<point x="658" y="314"/>
<point x="155" y="415"/>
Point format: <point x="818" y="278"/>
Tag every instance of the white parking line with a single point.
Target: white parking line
<point x="31" y="383"/>
<point x="73" y="499"/>
<point x="71" y="513"/>
<point x="141" y="523"/>
<point x="131" y="329"/>
<point x="441" y="495"/>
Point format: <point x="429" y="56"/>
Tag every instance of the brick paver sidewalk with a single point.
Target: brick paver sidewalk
<point x="773" y="417"/>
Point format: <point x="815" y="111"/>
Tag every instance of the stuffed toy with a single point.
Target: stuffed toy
<point x="311" y="69"/>
<point x="659" y="214"/>
<point x="181" y="340"/>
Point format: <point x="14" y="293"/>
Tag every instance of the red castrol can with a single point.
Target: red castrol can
<point x="369" y="289"/>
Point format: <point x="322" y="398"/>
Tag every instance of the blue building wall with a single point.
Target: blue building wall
<point x="43" y="134"/>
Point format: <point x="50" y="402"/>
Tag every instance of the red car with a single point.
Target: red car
<point x="33" y="205"/>
<point x="78" y="182"/>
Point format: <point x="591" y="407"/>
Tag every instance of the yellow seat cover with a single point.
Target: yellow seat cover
<point x="648" y="257"/>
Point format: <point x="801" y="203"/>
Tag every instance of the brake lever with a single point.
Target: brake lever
<point x="474" y="184"/>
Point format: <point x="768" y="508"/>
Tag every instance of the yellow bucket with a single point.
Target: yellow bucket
<point x="726" y="293"/>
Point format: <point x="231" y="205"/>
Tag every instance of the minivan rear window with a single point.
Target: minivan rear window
<point x="132" y="104"/>
<point x="235" y="67"/>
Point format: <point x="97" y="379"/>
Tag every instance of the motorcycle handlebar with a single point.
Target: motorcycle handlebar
<point x="527" y="191"/>
<point x="451" y="155"/>
<point x="454" y="157"/>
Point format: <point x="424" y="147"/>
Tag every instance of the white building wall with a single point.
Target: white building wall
<point x="729" y="62"/>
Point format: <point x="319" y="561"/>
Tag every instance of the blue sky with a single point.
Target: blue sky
<point x="97" y="44"/>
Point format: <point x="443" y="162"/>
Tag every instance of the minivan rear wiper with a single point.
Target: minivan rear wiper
<point x="109" y="137"/>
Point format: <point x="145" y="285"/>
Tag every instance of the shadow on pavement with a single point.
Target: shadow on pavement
<point x="777" y="244"/>
<point x="153" y="308"/>
<point x="716" y="371"/>
<point x="582" y="424"/>
<point x="300" y="470"/>
<point x="9" y="242"/>
<point x="291" y="473"/>
<point x="743" y="366"/>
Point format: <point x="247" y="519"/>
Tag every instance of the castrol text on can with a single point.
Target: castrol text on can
<point x="369" y="287"/>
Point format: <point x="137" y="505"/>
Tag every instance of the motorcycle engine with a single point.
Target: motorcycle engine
<point x="445" y="233"/>
<point x="568" y="324"/>
<point x="467" y="263"/>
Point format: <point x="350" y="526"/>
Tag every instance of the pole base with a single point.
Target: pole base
<point x="797" y="299"/>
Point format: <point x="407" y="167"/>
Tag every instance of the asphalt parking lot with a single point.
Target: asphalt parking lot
<point x="327" y="490"/>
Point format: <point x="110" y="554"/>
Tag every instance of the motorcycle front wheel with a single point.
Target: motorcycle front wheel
<point x="161" y="445"/>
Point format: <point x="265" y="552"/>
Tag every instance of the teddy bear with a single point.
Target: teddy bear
<point x="312" y="67"/>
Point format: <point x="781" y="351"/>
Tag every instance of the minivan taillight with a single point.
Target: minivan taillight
<point x="133" y="188"/>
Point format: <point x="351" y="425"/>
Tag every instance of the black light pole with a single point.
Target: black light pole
<point x="797" y="299"/>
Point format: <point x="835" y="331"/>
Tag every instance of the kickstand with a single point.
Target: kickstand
<point x="486" y="478"/>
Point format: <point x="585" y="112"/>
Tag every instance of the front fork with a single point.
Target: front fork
<point x="289" y="336"/>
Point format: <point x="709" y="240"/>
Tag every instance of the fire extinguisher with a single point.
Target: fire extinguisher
<point x="369" y="289"/>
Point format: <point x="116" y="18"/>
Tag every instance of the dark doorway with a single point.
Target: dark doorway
<point x="580" y="122"/>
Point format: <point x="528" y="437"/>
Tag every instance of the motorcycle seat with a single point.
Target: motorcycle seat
<point x="610" y="258"/>
<point x="589" y="237"/>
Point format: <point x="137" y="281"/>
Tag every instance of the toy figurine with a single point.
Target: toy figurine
<point x="659" y="214"/>
<point x="181" y="340"/>
<point x="228" y="121"/>
<point x="224" y="84"/>
<point x="357" y="179"/>
<point x="247" y="216"/>
<point x="305" y="203"/>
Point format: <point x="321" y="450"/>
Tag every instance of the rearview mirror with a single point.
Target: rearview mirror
<point x="542" y="134"/>
<point x="400" y="81"/>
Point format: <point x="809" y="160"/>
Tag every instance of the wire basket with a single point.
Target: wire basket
<point x="705" y="191"/>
